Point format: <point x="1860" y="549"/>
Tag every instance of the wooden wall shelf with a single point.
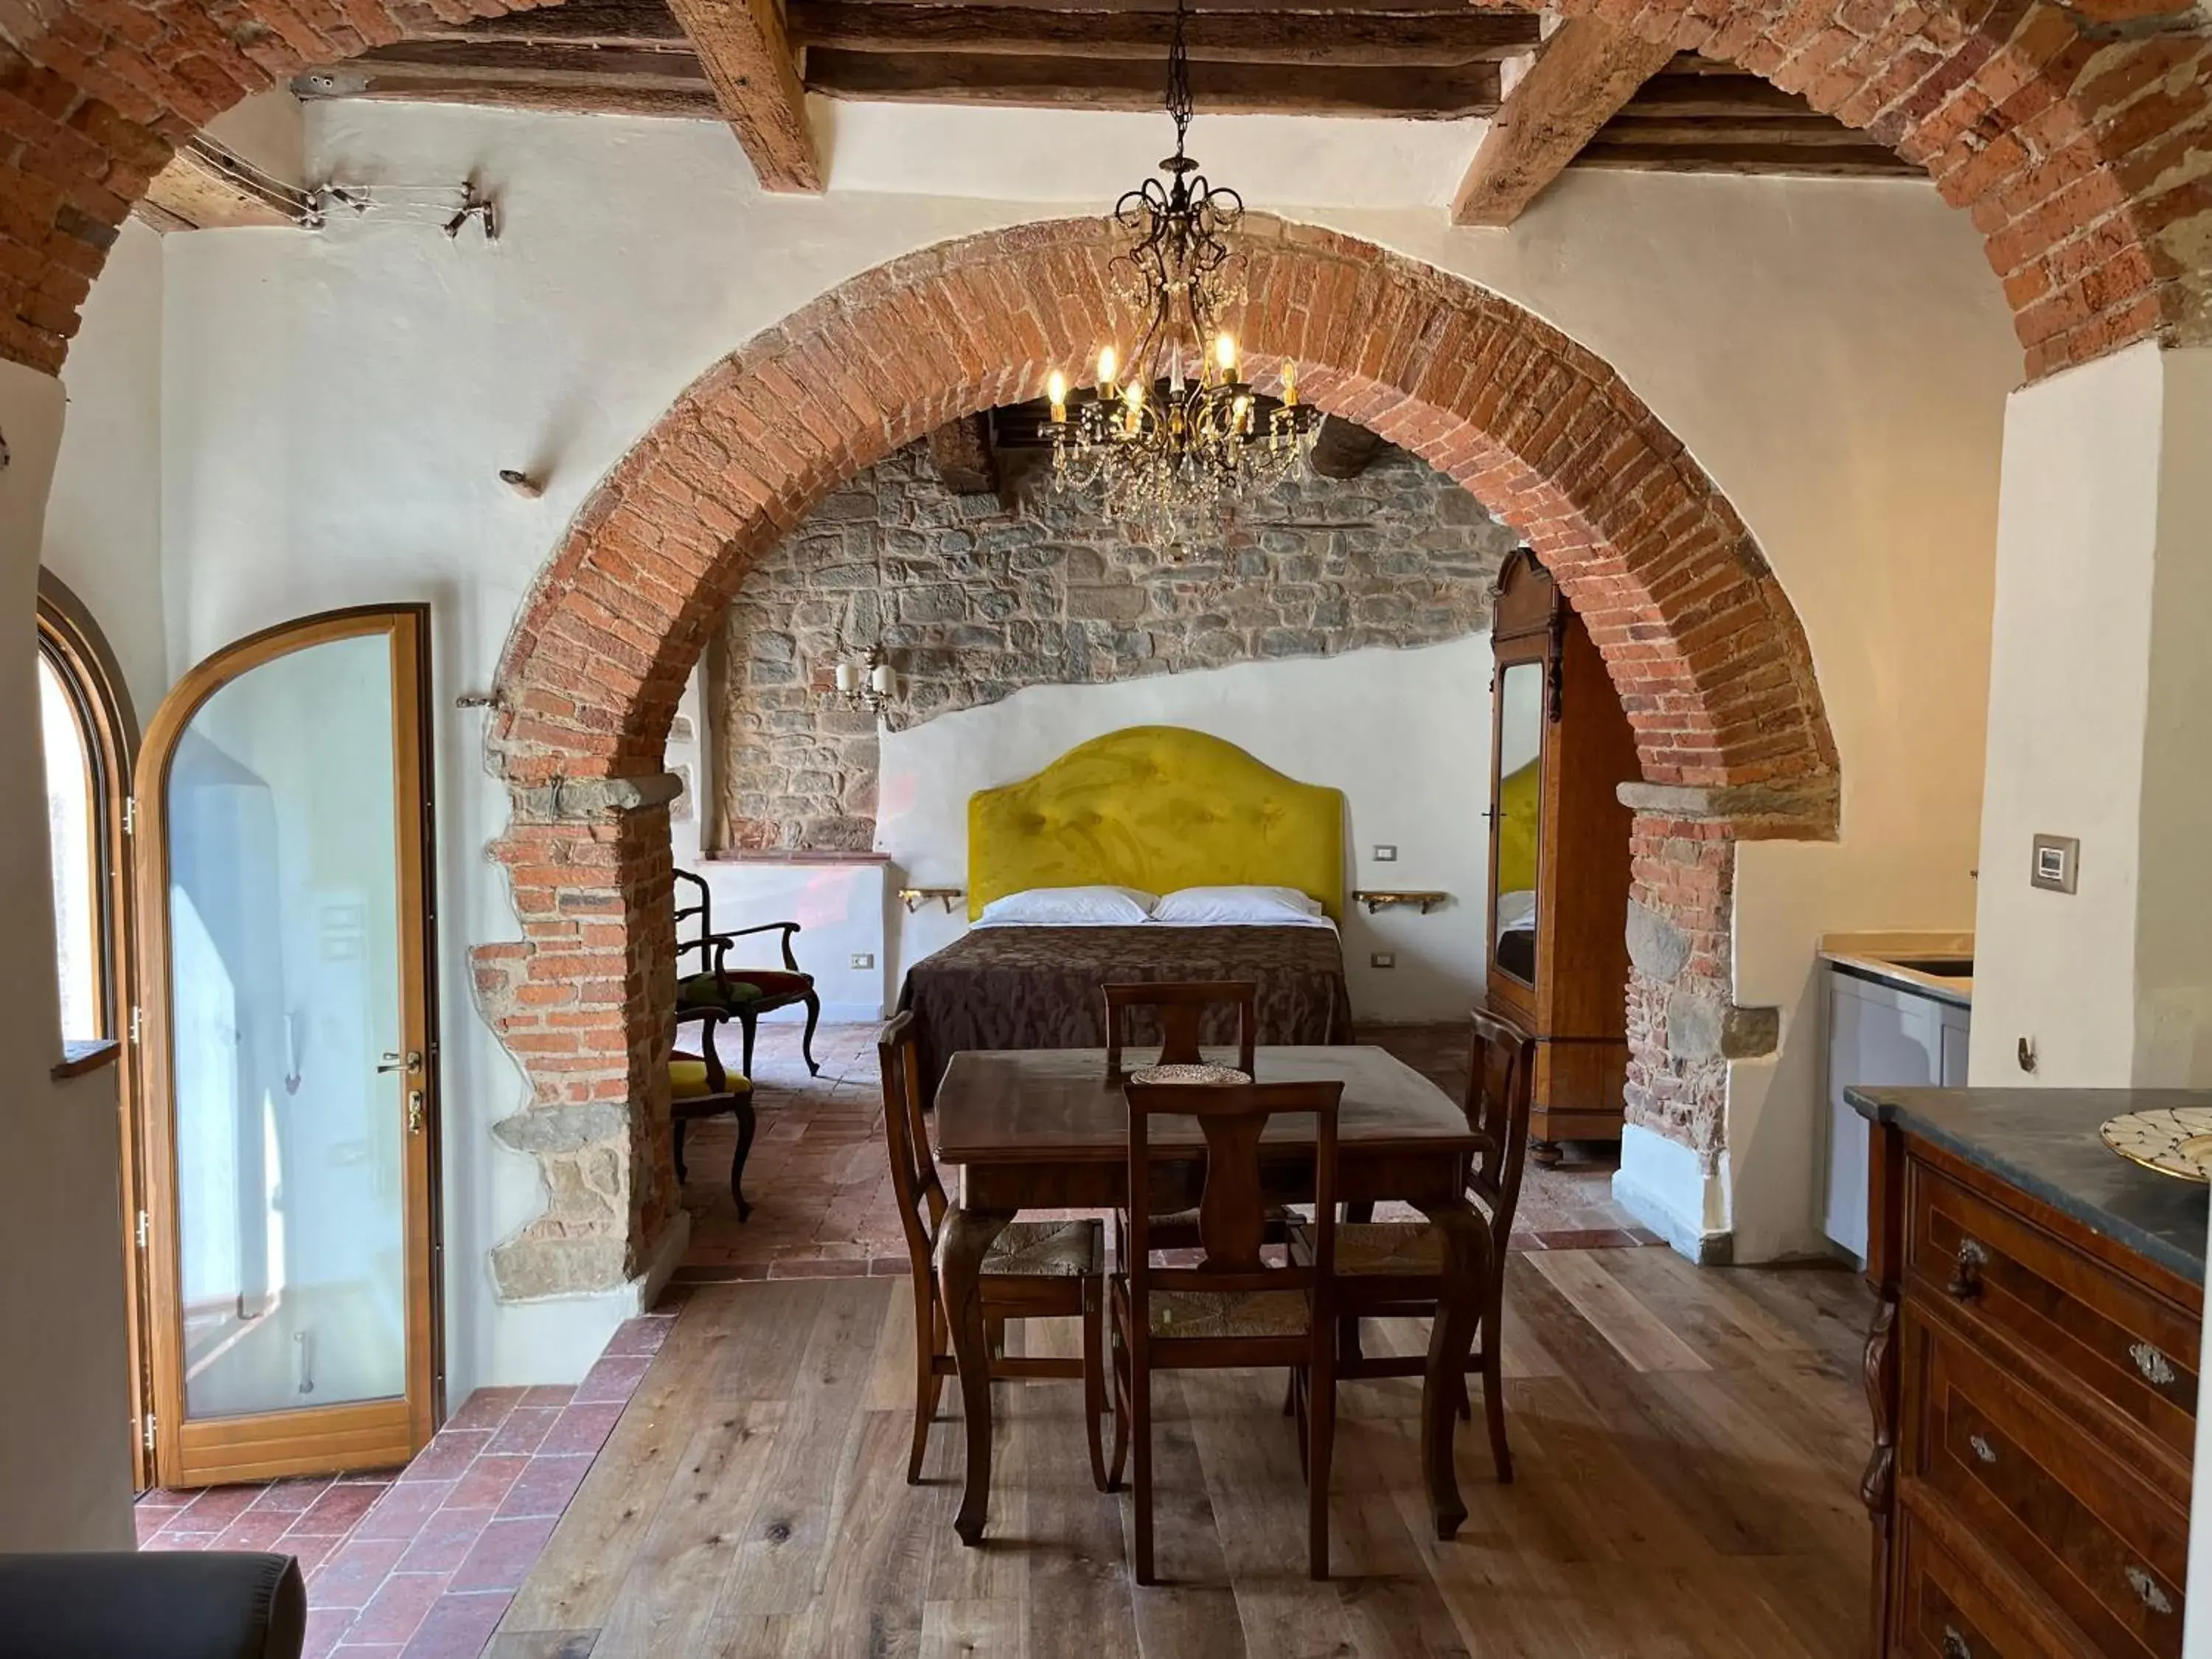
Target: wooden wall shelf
<point x="914" y="897"/>
<point x="1381" y="899"/>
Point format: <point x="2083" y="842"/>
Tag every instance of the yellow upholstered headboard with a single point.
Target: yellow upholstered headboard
<point x="1158" y="807"/>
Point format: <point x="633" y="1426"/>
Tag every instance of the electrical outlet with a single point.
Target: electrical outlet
<point x="1386" y="855"/>
<point x="864" y="959"/>
<point x="1383" y="959"/>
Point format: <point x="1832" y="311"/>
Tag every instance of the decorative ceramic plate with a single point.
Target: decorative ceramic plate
<point x="2175" y="1141"/>
<point x="1192" y="1074"/>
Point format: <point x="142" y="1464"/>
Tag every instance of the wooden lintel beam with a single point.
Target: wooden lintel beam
<point x="747" y="57"/>
<point x="962" y="452"/>
<point x="1342" y="449"/>
<point x="1586" y="72"/>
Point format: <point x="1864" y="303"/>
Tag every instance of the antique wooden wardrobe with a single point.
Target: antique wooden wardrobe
<point x="1557" y="922"/>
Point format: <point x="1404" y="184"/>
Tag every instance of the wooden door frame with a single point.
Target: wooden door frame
<point x="362" y="1435"/>
<point x="69" y="634"/>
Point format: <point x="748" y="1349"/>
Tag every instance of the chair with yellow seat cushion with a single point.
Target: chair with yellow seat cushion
<point x="700" y="1086"/>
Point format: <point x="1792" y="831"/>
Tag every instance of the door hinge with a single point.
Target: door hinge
<point x="130" y="815"/>
<point x="145" y="1229"/>
<point x="137" y="1020"/>
<point x="146" y="1432"/>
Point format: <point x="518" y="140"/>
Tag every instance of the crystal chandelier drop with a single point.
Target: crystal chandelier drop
<point x="1173" y="436"/>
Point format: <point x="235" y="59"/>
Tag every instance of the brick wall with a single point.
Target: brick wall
<point x="977" y="597"/>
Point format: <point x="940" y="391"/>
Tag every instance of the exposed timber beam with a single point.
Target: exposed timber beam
<point x="1318" y="38"/>
<point x="748" y="58"/>
<point x="1586" y="72"/>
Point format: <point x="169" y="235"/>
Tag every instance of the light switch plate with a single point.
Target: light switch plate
<point x="1383" y="959"/>
<point x="2057" y="863"/>
<point x="1386" y="855"/>
<point x="864" y="959"/>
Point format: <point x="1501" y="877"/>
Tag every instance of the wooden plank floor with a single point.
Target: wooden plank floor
<point x="1689" y="1443"/>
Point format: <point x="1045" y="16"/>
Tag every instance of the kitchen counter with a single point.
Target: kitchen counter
<point x="2044" y="1142"/>
<point x="1883" y="958"/>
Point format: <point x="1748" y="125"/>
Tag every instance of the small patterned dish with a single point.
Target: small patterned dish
<point x="2175" y="1141"/>
<point x="1188" y="1075"/>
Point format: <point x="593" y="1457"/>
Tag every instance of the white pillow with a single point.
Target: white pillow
<point x="1069" y="907"/>
<point x="1236" y="906"/>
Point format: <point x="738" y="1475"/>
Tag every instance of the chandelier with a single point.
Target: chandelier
<point x="1170" y="437"/>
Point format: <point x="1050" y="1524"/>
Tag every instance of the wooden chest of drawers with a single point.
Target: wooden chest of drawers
<point x="2033" y="1382"/>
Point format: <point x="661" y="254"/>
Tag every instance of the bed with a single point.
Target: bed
<point x="1159" y="809"/>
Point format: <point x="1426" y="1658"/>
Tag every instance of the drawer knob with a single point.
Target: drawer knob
<point x="1955" y="1645"/>
<point x="2148" y="1590"/>
<point x="1967" y="1280"/>
<point x="1983" y="1449"/>
<point x="2157" y="1369"/>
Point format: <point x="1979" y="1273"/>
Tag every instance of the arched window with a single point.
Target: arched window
<point x="87" y="733"/>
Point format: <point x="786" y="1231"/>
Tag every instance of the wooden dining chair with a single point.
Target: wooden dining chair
<point x="700" y="1086"/>
<point x="743" y="994"/>
<point x="1394" y="1269"/>
<point x="1180" y="1011"/>
<point x="1035" y="1269"/>
<point x="1233" y="1309"/>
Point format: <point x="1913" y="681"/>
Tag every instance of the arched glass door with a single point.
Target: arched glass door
<point x="285" y="914"/>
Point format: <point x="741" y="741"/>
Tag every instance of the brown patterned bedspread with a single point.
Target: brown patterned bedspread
<point x="1039" y="987"/>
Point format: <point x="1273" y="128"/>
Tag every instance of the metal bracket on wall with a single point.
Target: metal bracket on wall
<point x="1378" y="899"/>
<point x="914" y="897"/>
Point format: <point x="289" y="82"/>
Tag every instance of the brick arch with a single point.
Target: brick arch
<point x="1709" y="657"/>
<point x="1711" y="664"/>
<point x="2077" y="135"/>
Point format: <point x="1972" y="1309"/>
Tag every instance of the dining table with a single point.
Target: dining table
<point x="1048" y="1129"/>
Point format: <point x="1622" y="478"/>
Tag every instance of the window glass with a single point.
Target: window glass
<point x="70" y="820"/>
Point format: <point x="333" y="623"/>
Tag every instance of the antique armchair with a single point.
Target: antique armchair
<point x="743" y="994"/>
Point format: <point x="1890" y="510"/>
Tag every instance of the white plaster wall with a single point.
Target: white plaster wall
<point x="336" y="407"/>
<point x="65" y="1387"/>
<point x="1837" y="358"/>
<point x="1422" y="790"/>
<point x="103" y="533"/>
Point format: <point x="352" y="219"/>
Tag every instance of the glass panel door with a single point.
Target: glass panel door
<point x="290" y="1058"/>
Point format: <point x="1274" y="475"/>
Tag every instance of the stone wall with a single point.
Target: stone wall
<point x="976" y="596"/>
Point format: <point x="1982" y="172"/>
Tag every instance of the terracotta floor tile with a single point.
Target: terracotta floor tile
<point x="354" y="1573"/>
<point x="581" y="1428"/>
<point x="458" y="1625"/>
<point x="215" y="1508"/>
<point x="340" y="1509"/>
<point x="487" y="1482"/>
<point x="294" y="1495"/>
<point x="487" y="1409"/>
<point x="449" y="1456"/>
<point x="326" y="1627"/>
<point x="614" y="1378"/>
<point x="545" y="1487"/>
<point x="555" y="1397"/>
<point x="504" y="1555"/>
<point x="397" y="1608"/>
<point x="400" y="1512"/>
<point x="256" y="1530"/>
<point x="518" y="1436"/>
<point x="445" y="1541"/>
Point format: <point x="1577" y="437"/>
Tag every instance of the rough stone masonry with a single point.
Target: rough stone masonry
<point x="976" y="597"/>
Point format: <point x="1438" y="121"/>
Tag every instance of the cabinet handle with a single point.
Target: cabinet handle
<point x="1955" y="1645"/>
<point x="1983" y="1449"/>
<point x="2147" y="1591"/>
<point x="2157" y="1369"/>
<point x="1966" y="1279"/>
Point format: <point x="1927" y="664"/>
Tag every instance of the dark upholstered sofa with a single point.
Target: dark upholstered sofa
<point x="185" y="1605"/>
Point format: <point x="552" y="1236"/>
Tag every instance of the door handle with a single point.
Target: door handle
<point x="411" y="1063"/>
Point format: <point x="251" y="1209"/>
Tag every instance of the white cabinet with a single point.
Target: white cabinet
<point x="1887" y="1036"/>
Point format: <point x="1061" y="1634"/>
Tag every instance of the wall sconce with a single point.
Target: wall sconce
<point x="868" y="682"/>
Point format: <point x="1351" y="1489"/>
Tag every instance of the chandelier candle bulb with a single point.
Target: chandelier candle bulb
<point x="1224" y="353"/>
<point x="1106" y="371"/>
<point x="1290" y="384"/>
<point x="1055" y="387"/>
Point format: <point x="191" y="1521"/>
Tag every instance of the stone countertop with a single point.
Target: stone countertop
<point x="2044" y="1142"/>
<point x="1874" y="956"/>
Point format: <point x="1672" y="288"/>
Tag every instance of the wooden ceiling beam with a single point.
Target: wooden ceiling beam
<point x="1421" y="39"/>
<point x="749" y="61"/>
<point x="1135" y="83"/>
<point x="582" y="22"/>
<point x="1586" y="72"/>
